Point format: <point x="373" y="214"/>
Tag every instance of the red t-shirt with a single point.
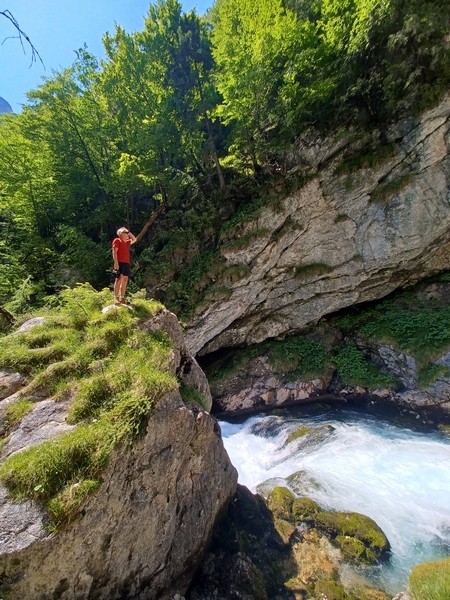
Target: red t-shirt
<point x="123" y="249"/>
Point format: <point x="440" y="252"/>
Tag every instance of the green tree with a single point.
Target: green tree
<point x="251" y="42"/>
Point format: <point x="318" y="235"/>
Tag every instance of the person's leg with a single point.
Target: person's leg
<point x="123" y="289"/>
<point x="117" y="285"/>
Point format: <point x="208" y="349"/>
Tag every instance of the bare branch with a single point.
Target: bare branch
<point x="22" y="36"/>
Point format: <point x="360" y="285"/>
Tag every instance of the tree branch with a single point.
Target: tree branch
<point x="150" y="222"/>
<point x="22" y="36"/>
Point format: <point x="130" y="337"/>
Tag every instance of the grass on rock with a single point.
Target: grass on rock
<point x="113" y="371"/>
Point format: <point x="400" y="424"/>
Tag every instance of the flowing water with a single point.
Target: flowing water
<point x="397" y="475"/>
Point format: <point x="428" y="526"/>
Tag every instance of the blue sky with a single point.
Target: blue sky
<point x="57" y="28"/>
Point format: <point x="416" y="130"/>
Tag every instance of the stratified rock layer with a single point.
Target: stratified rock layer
<point x="347" y="236"/>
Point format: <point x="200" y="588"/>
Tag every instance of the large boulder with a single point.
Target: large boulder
<point x="143" y="531"/>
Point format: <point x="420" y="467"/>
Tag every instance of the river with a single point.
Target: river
<point x="396" y="473"/>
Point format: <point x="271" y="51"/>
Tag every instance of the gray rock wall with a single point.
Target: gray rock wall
<point x="339" y="240"/>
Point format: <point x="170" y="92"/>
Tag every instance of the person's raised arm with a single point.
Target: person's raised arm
<point x="132" y="238"/>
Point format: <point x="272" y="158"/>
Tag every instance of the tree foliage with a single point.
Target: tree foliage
<point x="107" y="142"/>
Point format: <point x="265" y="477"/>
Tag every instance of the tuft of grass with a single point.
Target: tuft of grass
<point x="312" y="270"/>
<point x="192" y="395"/>
<point x="68" y="502"/>
<point x="42" y="471"/>
<point x="244" y="241"/>
<point x="369" y="160"/>
<point x="15" y="411"/>
<point x="431" y="580"/>
<point x="383" y="192"/>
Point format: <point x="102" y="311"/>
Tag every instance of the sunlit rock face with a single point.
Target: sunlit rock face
<point x="4" y="106"/>
<point x="355" y="232"/>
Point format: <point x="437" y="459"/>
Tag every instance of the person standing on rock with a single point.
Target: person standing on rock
<point x="121" y="256"/>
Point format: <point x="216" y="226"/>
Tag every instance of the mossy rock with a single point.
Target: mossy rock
<point x="430" y="580"/>
<point x="331" y="590"/>
<point x="298" y="433"/>
<point x="302" y="483"/>
<point x="310" y="435"/>
<point x="305" y="509"/>
<point x="343" y="525"/>
<point x="285" y="529"/>
<point x="280" y="502"/>
<point x="355" y="550"/>
<point x="365" y="593"/>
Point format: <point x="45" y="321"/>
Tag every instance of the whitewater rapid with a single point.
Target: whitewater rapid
<point x="397" y="476"/>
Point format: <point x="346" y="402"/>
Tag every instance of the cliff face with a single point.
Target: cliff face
<point x="144" y="531"/>
<point x="359" y="229"/>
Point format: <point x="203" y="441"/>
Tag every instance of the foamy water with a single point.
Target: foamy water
<point x="398" y="477"/>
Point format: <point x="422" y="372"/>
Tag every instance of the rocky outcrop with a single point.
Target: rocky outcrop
<point x="5" y="107"/>
<point x="257" y="386"/>
<point x="265" y="549"/>
<point x="358" y="230"/>
<point x="143" y="532"/>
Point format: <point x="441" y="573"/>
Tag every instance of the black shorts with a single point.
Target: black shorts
<point x="124" y="269"/>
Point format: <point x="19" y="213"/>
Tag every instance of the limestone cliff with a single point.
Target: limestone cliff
<point x="143" y="532"/>
<point x="360" y="228"/>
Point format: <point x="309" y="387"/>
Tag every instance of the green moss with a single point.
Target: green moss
<point x="298" y="433"/>
<point x="280" y="502"/>
<point x="354" y="550"/>
<point x="331" y="590"/>
<point x="342" y="525"/>
<point x="430" y="580"/>
<point x="286" y="530"/>
<point x="304" y="509"/>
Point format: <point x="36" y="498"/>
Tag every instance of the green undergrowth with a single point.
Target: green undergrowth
<point x="417" y="327"/>
<point x="355" y="369"/>
<point x="112" y="371"/>
<point x="297" y="356"/>
<point x="366" y="160"/>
